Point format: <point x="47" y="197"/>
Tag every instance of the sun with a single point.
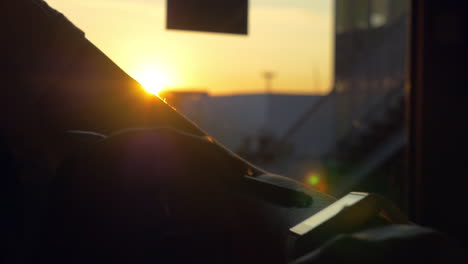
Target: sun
<point x="152" y="81"/>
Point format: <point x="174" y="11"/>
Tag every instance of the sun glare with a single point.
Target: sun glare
<point x="152" y="81"/>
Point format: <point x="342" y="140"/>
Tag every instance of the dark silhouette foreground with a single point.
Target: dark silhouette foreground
<point x="167" y="194"/>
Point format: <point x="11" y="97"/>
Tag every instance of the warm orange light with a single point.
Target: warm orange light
<point x="152" y="81"/>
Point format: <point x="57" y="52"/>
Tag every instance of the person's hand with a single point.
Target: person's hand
<point x="388" y="244"/>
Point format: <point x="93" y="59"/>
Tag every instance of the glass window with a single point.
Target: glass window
<point x="379" y="13"/>
<point x="343" y="18"/>
<point x="360" y="12"/>
<point x="314" y="91"/>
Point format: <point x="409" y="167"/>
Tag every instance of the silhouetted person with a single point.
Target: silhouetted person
<point x="160" y="195"/>
<point x="54" y="81"/>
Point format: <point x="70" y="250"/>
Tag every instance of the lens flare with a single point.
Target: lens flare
<point x="317" y="181"/>
<point x="313" y="179"/>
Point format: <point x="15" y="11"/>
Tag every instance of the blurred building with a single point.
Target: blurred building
<point x="249" y="124"/>
<point x="354" y="138"/>
<point x="371" y="38"/>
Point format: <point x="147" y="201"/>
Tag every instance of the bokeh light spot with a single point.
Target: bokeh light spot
<point x="313" y="179"/>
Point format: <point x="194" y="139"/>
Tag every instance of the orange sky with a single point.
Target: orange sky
<point x="292" y="38"/>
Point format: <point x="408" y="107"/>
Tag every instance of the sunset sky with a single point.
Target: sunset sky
<point x="292" y="38"/>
